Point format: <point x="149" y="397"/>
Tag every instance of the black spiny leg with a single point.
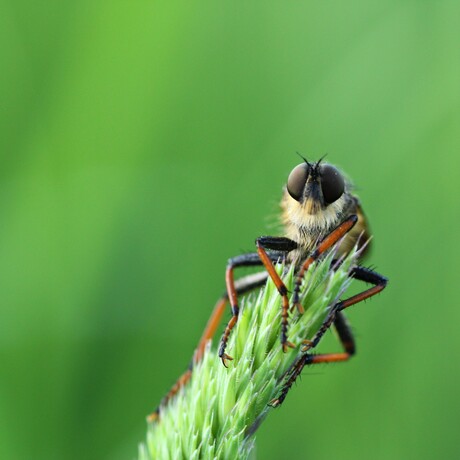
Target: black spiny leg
<point x="361" y="274"/>
<point x="341" y="325"/>
<point x="346" y="338"/>
<point x="246" y="260"/>
<point x="279" y="244"/>
<point x="242" y="285"/>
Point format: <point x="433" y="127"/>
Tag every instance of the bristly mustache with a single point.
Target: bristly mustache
<point x="312" y="206"/>
<point x="312" y="202"/>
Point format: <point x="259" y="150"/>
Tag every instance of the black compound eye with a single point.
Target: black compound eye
<point x="332" y="183"/>
<point x="296" y="181"/>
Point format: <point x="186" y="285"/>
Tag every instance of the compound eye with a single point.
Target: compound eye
<point x="296" y="181"/>
<point x="332" y="183"/>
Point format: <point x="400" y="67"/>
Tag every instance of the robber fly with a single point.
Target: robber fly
<point x="318" y="211"/>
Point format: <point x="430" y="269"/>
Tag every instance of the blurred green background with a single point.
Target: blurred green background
<point x="144" y="143"/>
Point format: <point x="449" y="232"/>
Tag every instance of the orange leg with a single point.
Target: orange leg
<point x="282" y="246"/>
<point x="345" y="334"/>
<point x="325" y="244"/>
<point x="207" y="335"/>
<point x="282" y="291"/>
<point x="243" y="285"/>
<point x="361" y="274"/>
<point x="348" y="343"/>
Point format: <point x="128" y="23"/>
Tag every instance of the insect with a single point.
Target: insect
<point x="318" y="211"/>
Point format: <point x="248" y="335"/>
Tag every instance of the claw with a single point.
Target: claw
<point x="153" y="417"/>
<point x="224" y="358"/>
<point x="306" y="345"/>
<point x="287" y="345"/>
<point x="299" y="307"/>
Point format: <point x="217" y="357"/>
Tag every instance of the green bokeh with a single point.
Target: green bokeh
<point x="144" y="143"/>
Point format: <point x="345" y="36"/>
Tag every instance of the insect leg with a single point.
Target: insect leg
<point x="361" y="274"/>
<point x="369" y="276"/>
<point x="346" y="338"/>
<point x="243" y="285"/>
<point x="244" y="260"/>
<point x="287" y="245"/>
<point x="341" y="325"/>
<point x="323" y="246"/>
